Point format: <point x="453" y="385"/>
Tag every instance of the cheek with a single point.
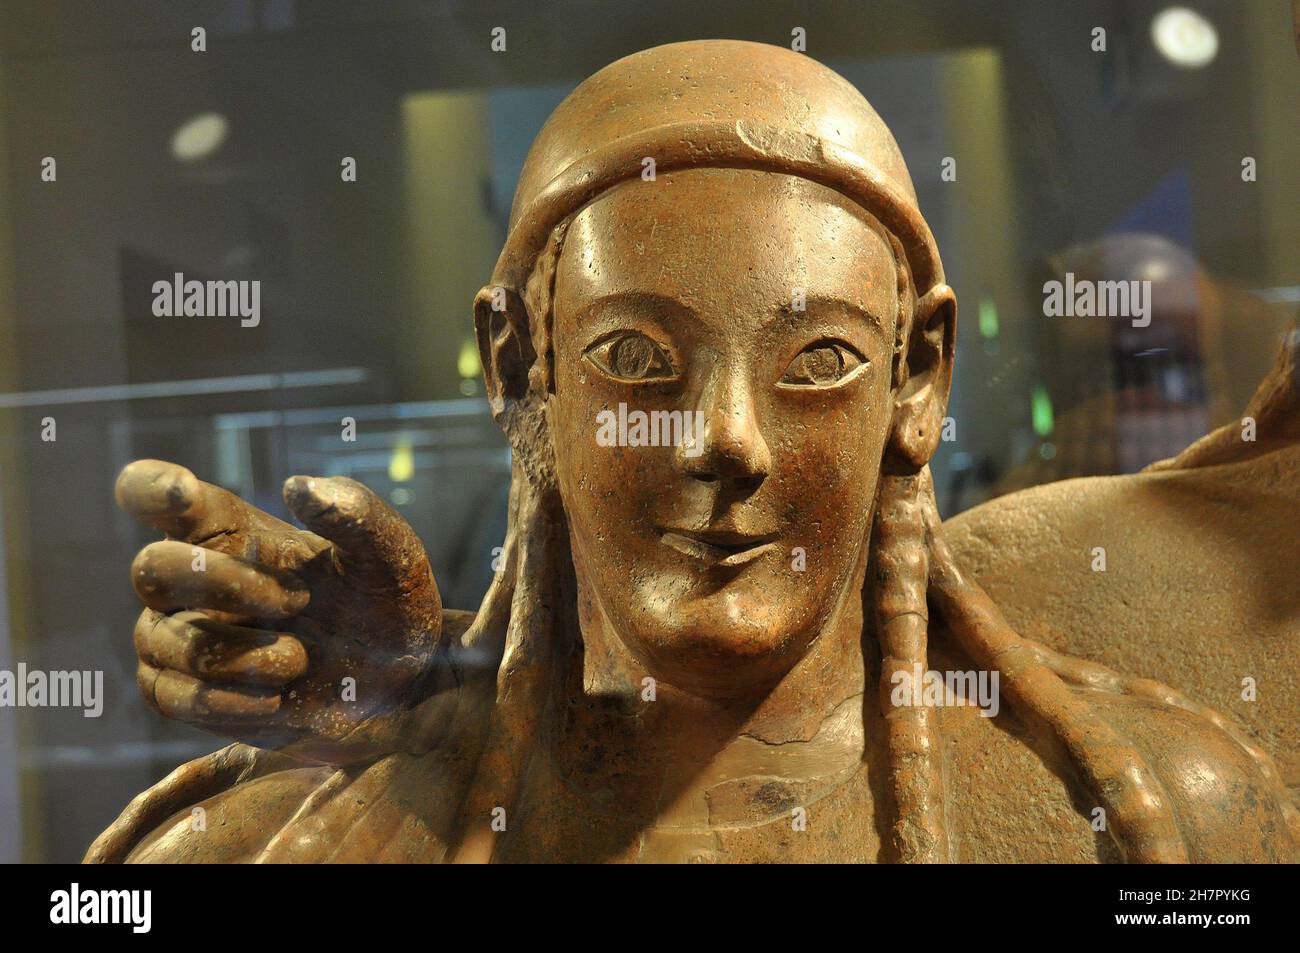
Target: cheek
<point x="605" y="488"/>
<point x="828" y="472"/>
<point x="570" y="410"/>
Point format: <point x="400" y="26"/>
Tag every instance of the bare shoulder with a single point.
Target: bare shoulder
<point x="154" y="820"/>
<point x="1015" y="798"/>
<point x="1185" y="576"/>
<point x="230" y="826"/>
<point x="398" y="808"/>
<point x="1230" y="805"/>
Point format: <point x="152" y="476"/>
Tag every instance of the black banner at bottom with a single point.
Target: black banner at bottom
<point x="228" y="905"/>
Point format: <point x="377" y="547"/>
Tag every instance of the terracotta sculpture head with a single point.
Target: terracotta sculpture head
<point x="728" y="229"/>
<point x="736" y="253"/>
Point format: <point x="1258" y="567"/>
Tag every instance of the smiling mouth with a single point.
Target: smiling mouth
<point x="718" y="548"/>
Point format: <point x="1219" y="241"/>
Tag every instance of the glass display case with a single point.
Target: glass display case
<point x="358" y="161"/>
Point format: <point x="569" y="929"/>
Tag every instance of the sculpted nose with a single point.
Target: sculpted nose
<point x="731" y="445"/>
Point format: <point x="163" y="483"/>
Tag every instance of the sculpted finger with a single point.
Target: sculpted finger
<point x="186" y="698"/>
<point x="171" y="498"/>
<point x="193" y="644"/>
<point x="172" y="575"/>
<point x="146" y="676"/>
<point x="372" y="539"/>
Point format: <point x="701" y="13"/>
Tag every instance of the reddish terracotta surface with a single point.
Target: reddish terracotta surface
<point x="691" y="651"/>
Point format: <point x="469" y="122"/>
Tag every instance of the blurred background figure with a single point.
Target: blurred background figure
<point x="1129" y="396"/>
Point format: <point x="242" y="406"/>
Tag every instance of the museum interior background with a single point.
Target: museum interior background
<point x="1122" y="165"/>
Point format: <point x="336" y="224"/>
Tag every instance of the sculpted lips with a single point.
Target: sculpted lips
<point x="718" y="547"/>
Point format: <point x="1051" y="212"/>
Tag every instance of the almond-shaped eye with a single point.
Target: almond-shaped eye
<point x="823" y="364"/>
<point x="631" y="356"/>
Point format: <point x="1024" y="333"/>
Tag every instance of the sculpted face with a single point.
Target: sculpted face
<point x="718" y="560"/>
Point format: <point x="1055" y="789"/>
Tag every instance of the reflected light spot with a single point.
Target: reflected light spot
<point x="199" y="137"/>
<point x="402" y="465"/>
<point x="1184" y="37"/>
<point x="467" y="362"/>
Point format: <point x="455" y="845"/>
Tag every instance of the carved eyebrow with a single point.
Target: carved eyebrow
<point x="649" y="304"/>
<point x="822" y="302"/>
<point x="603" y="311"/>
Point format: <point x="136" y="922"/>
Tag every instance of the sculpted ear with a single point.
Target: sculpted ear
<point x="921" y="397"/>
<point x="504" y="345"/>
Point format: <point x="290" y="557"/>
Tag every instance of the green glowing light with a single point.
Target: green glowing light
<point x="988" y="318"/>
<point x="1041" y="410"/>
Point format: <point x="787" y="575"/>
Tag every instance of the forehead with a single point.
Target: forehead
<point x="722" y="239"/>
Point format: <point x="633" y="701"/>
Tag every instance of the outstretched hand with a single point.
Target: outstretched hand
<point x="274" y="635"/>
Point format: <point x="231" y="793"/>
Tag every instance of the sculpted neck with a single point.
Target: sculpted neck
<point x="807" y="728"/>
